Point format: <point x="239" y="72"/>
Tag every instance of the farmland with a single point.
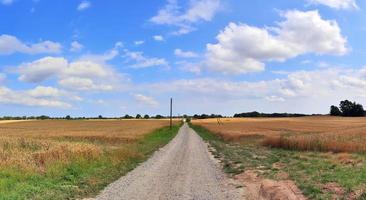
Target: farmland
<point x="73" y="158"/>
<point x="324" y="156"/>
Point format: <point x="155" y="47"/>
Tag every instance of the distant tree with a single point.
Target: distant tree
<point x="158" y="117"/>
<point x="146" y="117"/>
<point x="67" y="117"/>
<point x="100" y="117"/>
<point x="42" y="117"/>
<point x="334" y="111"/>
<point x="138" y="116"/>
<point x="127" y="117"/>
<point x="351" y="109"/>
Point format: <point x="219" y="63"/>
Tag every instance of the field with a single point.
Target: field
<point x="304" y="133"/>
<point x="70" y="158"/>
<point x="325" y="156"/>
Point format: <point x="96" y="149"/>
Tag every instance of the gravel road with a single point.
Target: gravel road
<point x="183" y="169"/>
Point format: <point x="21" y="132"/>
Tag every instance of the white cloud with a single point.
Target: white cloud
<point x="10" y="44"/>
<point x="83" y="5"/>
<point x="43" y="91"/>
<point x="27" y="98"/>
<point x="158" y="38"/>
<point x="42" y="69"/>
<point x="139" y="42"/>
<point x="197" y="11"/>
<point x="185" y="54"/>
<point x="101" y="58"/>
<point x="7" y="2"/>
<point x="337" y="4"/>
<point x="76" y="46"/>
<point x="190" y="67"/>
<point x="242" y="48"/>
<point x="77" y="83"/>
<point x="141" y="61"/>
<point x="87" y="69"/>
<point x="82" y="74"/>
<point x="146" y="100"/>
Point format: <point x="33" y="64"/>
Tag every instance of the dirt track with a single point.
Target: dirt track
<point x="184" y="169"/>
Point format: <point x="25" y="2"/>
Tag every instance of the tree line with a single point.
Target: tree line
<point x="347" y="109"/>
<point x="258" y="114"/>
<point x="68" y="117"/>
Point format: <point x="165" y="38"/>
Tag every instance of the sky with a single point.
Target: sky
<point x="92" y="57"/>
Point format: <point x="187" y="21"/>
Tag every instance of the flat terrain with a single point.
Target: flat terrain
<point x="324" y="156"/>
<point x="60" y="159"/>
<point x="238" y="127"/>
<point x="182" y="170"/>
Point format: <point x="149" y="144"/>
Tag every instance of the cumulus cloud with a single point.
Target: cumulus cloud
<point x="42" y="69"/>
<point x="75" y="75"/>
<point x="146" y="100"/>
<point x="44" y="91"/>
<point x="337" y="4"/>
<point x="242" y="48"/>
<point x="140" y="61"/>
<point x="30" y="98"/>
<point x="197" y="11"/>
<point x="76" y="46"/>
<point x="185" y="54"/>
<point x="83" y="5"/>
<point x="10" y="44"/>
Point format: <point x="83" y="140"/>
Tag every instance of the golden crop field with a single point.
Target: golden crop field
<point x="33" y="145"/>
<point x="320" y="133"/>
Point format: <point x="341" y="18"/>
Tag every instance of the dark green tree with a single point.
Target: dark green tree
<point x="334" y="111"/>
<point x="138" y="116"/>
<point x="351" y="109"/>
<point x="146" y="117"/>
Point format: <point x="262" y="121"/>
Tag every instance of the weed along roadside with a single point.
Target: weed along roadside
<point x="82" y="176"/>
<point x="305" y="174"/>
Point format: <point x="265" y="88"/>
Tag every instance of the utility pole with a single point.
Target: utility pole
<point x="171" y="113"/>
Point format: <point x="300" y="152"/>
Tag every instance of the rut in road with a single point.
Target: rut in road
<point x="183" y="169"/>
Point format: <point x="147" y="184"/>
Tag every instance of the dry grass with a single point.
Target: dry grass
<point x="335" y="134"/>
<point x="33" y="145"/>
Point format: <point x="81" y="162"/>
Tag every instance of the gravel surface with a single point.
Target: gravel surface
<point x="183" y="169"/>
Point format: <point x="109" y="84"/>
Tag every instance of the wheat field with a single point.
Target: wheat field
<point x="316" y="133"/>
<point x="33" y="145"/>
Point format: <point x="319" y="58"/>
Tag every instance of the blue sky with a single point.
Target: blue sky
<point x="86" y="58"/>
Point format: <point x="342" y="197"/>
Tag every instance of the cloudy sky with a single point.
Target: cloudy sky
<point x="86" y="58"/>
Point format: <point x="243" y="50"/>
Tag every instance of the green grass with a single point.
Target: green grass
<point x="310" y="170"/>
<point x="80" y="178"/>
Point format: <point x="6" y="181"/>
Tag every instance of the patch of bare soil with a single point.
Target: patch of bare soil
<point x="335" y="189"/>
<point x="258" y="188"/>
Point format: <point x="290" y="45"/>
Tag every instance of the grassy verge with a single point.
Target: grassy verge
<point x="81" y="177"/>
<point x="318" y="175"/>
